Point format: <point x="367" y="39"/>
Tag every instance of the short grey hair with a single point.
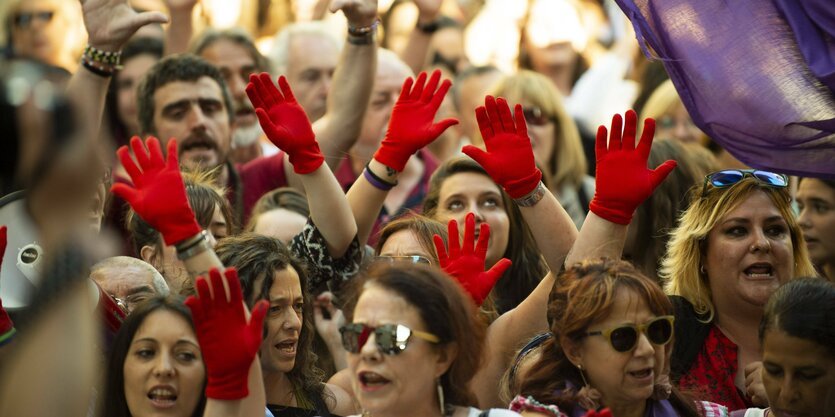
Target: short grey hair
<point x="280" y="50"/>
<point x="157" y="281"/>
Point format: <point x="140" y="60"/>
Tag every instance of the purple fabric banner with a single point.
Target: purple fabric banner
<point x="745" y="81"/>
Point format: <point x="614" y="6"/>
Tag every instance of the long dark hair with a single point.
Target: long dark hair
<point x="803" y="308"/>
<point x="257" y="258"/>
<point x="582" y="295"/>
<point x="114" y="403"/>
<point x="528" y="266"/>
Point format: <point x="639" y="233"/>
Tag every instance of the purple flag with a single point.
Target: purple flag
<point x="744" y="79"/>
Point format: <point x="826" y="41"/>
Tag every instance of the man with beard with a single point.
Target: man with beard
<point x="187" y="98"/>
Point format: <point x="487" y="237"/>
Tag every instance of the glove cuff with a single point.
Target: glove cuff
<point x="182" y="230"/>
<point x="391" y="158"/>
<point x="308" y="160"/>
<point x="522" y="187"/>
<point x="612" y="215"/>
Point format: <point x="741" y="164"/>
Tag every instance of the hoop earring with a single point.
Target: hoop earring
<point x="441" y="398"/>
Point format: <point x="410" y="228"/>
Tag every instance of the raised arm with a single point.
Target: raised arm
<point x="352" y="82"/>
<point x="414" y="55"/>
<point x="158" y="195"/>
<point x="286" y="125"/>
<point x="623" y="182"/>
<point x="179" y="32"/>
<point x="109" y="24"/>
<point x="411" y="128"/>
<point x="510" y="162"/>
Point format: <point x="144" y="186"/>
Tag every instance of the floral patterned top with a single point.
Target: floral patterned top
<point x="711" y="377"/>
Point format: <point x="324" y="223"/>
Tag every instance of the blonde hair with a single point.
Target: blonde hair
<point x="568" y="163"/>
<point x="680" y="268"/>
<point x="661" y="102"/>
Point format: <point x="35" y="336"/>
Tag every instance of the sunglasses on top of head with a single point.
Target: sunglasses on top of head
<point x="624" y="338"/>
<point x="729" y="177"/>
<point x="391" y="339"/>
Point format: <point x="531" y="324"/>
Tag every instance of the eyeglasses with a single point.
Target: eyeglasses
<point x="391" y="339"/>
<point x="729" y="177"/>
<point x="25" y="19"/>
<point x="414" y="259"/>
<point x="624" y="338"/>
<point x="535" y="116"/>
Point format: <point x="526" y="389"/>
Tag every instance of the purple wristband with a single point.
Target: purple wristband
<point x="377" y="183"/>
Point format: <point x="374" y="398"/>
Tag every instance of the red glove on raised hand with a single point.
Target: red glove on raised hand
<point x="285" y="122"/>
<point x="158" y="194"/>
<point x="228" y="343"/>
<point x="509" y="158"/>
<point x="622" y="178"/>
<point x="411" y="126"/>
<point x="466" y="264"/>
<point x="602" y="413"/>
<point x="7" y="330"/>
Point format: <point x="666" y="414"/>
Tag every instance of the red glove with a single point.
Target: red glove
<point x="228" y="343"/>
<point x="467" y="265"/>
<point x="603" y="413"/>
<point x="7" y="330"/>
<point x="622" y="179"/>
<point x="285" y="122"/>
<point x="158" y="194"/>
<point x="509" y="158"/>
<point x="411" y="126"/>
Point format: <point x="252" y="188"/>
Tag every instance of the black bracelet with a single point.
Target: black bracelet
<point x="367" y="39"/>
<point x="96" y="70"/>
<point x="376" y="177"/>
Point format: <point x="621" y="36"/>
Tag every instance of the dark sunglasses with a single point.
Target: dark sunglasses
<point x="391" y="339"/>
<point x="535" y="116"/>
<point x="729" y="177"/>
<point x="624" y="338"/>
<point x="413" y="259"/>
<point x="25" y="19"/>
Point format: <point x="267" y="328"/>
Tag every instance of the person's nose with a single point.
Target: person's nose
<point x="325" y="86"/>
<point x="761" y="242"/>
<point x="804" y="218"/>
<point x="643" y="347"/>
<point x="369" y="350"/>
<point x="293" y="321"/>
<point x="789" y="393"/>
<point x="163" y="365"/>
<point x="237" y="87"/>
<point x="197" y="119"/>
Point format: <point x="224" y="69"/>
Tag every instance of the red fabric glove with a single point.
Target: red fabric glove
<point x="622" y="179"/>
<point x="411" y="126"/>
<point x="158" y="194"/>
<point x="285" y="122"/>
<point x="228" y="343"/>
<point x="602" y="413"/>
<point x="466" y="264"/>
<point x="509" y="158"/>
<point x="7" y="330"/>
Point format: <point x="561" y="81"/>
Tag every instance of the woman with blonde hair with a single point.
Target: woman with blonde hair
<point x="554" y="137"/>
<point x="671" y="118"/>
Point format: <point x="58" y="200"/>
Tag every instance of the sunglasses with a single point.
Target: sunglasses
<point x="729" y="177"/>
<point x="391" y="339"/>
<point x="412" y="259"/>
<point x="25" y="19"/>
<point x="624" y="338"/>
<point x="535" y="116"/>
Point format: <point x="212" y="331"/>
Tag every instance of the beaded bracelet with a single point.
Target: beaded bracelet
<point x="363" y="30"/>
<point x="104" y="57"/>
<point x="96" y="69"/>
<point x="520" y="404"/>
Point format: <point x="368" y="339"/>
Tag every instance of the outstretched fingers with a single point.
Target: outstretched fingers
<point x="140" y="153"/>
<point x="647" y="136"/>
<point x="469" y="235"/>
<point x="173" y="159"/>
<point x="521" y="124"/>
<point x="440" y="249"/>
<point x="483" y="241"/>
<point x="630" y="129"/>
<point x="615" y="133"/>
<point x="406" y="90"/>
<point x="438" y="98"/>
<point x="454" y="239"/>
<point x="285" y="89"/>
<point x="253" y="91"/>
<point x="659" y="174"/>
<point x="417" y="91"/>
<point x="429" y="90"/>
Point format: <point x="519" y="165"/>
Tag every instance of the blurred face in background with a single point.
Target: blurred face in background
<point x="127" y="80"/>
<point x="42" y="30"/>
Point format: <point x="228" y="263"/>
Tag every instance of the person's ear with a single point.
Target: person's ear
<point x="573" y="352"/>
<point x="446" y="355"/>
<point x="149" y="254"/>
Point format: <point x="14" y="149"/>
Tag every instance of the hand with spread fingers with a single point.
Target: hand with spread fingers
<point x="509" y="157"/>
<point x="466" y="264"/>
<point x="158" y="194"/>
<point x="285" y="122"/>
<point x="622" y="178"/>
<point x="412" y="120"/>
<point x="110" y="23"/>
<point x="228" y="342"/>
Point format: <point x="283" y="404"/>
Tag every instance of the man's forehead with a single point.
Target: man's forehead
<point x="225" y="53"/>
<point x="203" y="88"/>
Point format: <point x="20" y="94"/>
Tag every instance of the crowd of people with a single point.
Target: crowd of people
<point x="390" y="209"/>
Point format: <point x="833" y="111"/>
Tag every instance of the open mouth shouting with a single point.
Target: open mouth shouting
<point x="163" y="396"/>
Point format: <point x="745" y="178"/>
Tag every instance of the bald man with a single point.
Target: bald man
<point x="129" y="280"/>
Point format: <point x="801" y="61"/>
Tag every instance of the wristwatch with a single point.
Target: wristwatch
<point x="532" y="198"/>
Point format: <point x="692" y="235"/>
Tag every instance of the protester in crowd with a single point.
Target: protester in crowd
<point x="204" y="128"/>
<point x="281" y="213"/>
<point x="612" y="330"/>
<point x="740" y="237"/>
<point x="414" y="344"/>
<point x="798" y="343"/>
<point x="671" y="118"/>
<point x="410" y="239"/>
<point x="129" y="281"/>
<point x="655" y="218"/>
<point x="164" y="356"/>
<point x="293" y="381"/>
<point x="44" y="30"/>
<point x="468" y="91"/>
<point x="816" y="200"/>
<point x="554" y="136"/>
